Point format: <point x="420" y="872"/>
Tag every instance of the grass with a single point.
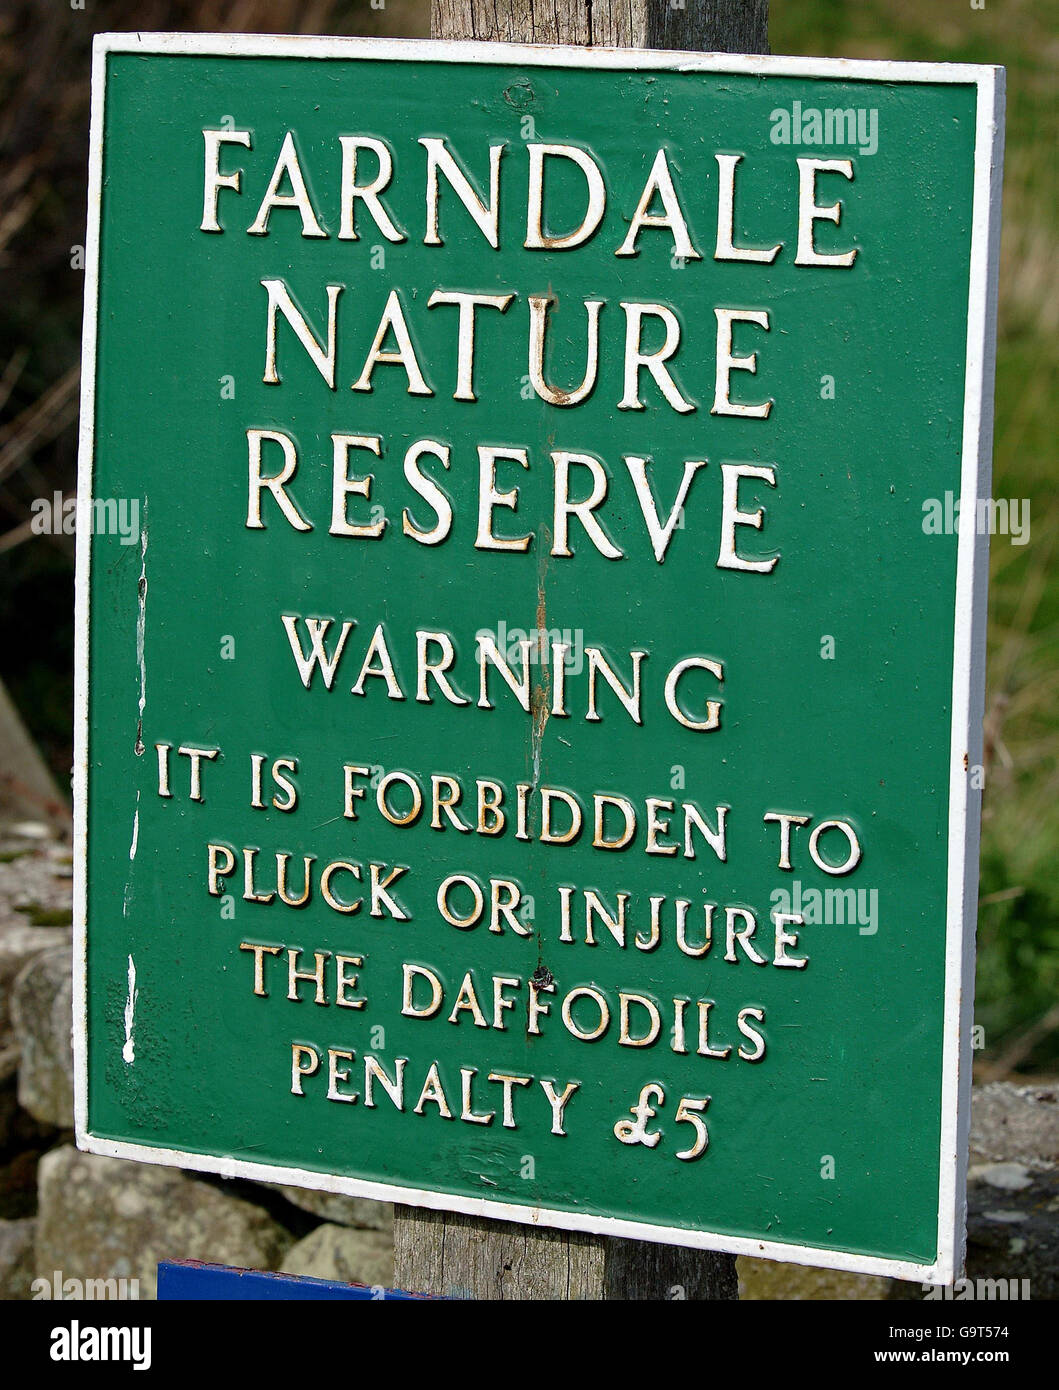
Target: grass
<point x="47" y="916"/>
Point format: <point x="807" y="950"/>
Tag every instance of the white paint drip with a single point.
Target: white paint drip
<point x="132" y="855"/>
<point x="128" y="1052"/>
<point x="141" y="620"/>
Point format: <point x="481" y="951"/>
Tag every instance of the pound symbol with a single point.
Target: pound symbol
<point x="635" y="1131"/>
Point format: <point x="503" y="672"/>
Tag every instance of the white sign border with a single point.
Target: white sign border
<point x="968" y="686"/>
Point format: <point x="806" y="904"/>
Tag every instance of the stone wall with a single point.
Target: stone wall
<point x="68" y="1216"/>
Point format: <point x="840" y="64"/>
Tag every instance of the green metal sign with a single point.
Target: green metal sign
<point x="530" y="733"/>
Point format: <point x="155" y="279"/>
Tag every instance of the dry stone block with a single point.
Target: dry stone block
<point x="42" y="1014"/>
<point x="340" y="1210"/>
<point x="343" y="1255"/>
<point x="16" y="1258"/>
<point x="111" y="1218"/>
<point x="1015" y="1124"/>
<point x="19" y="944"/>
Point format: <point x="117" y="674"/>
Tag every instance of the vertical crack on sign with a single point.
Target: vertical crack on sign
<point x="141" y="616"/>
<point x="541" y="696"/>
<point x="128" y="1052"/>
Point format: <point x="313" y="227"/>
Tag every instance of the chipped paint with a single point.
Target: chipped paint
<point x="128" y="1052"/>
<point x="141" y="622"/>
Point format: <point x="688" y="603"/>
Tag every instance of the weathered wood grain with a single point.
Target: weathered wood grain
<point x="465" y="1257"/>
<point x="708" y="26"/>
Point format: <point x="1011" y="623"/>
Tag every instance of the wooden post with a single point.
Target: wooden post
<point x="463" y="1256"/>
<point x="707" y="26"/>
